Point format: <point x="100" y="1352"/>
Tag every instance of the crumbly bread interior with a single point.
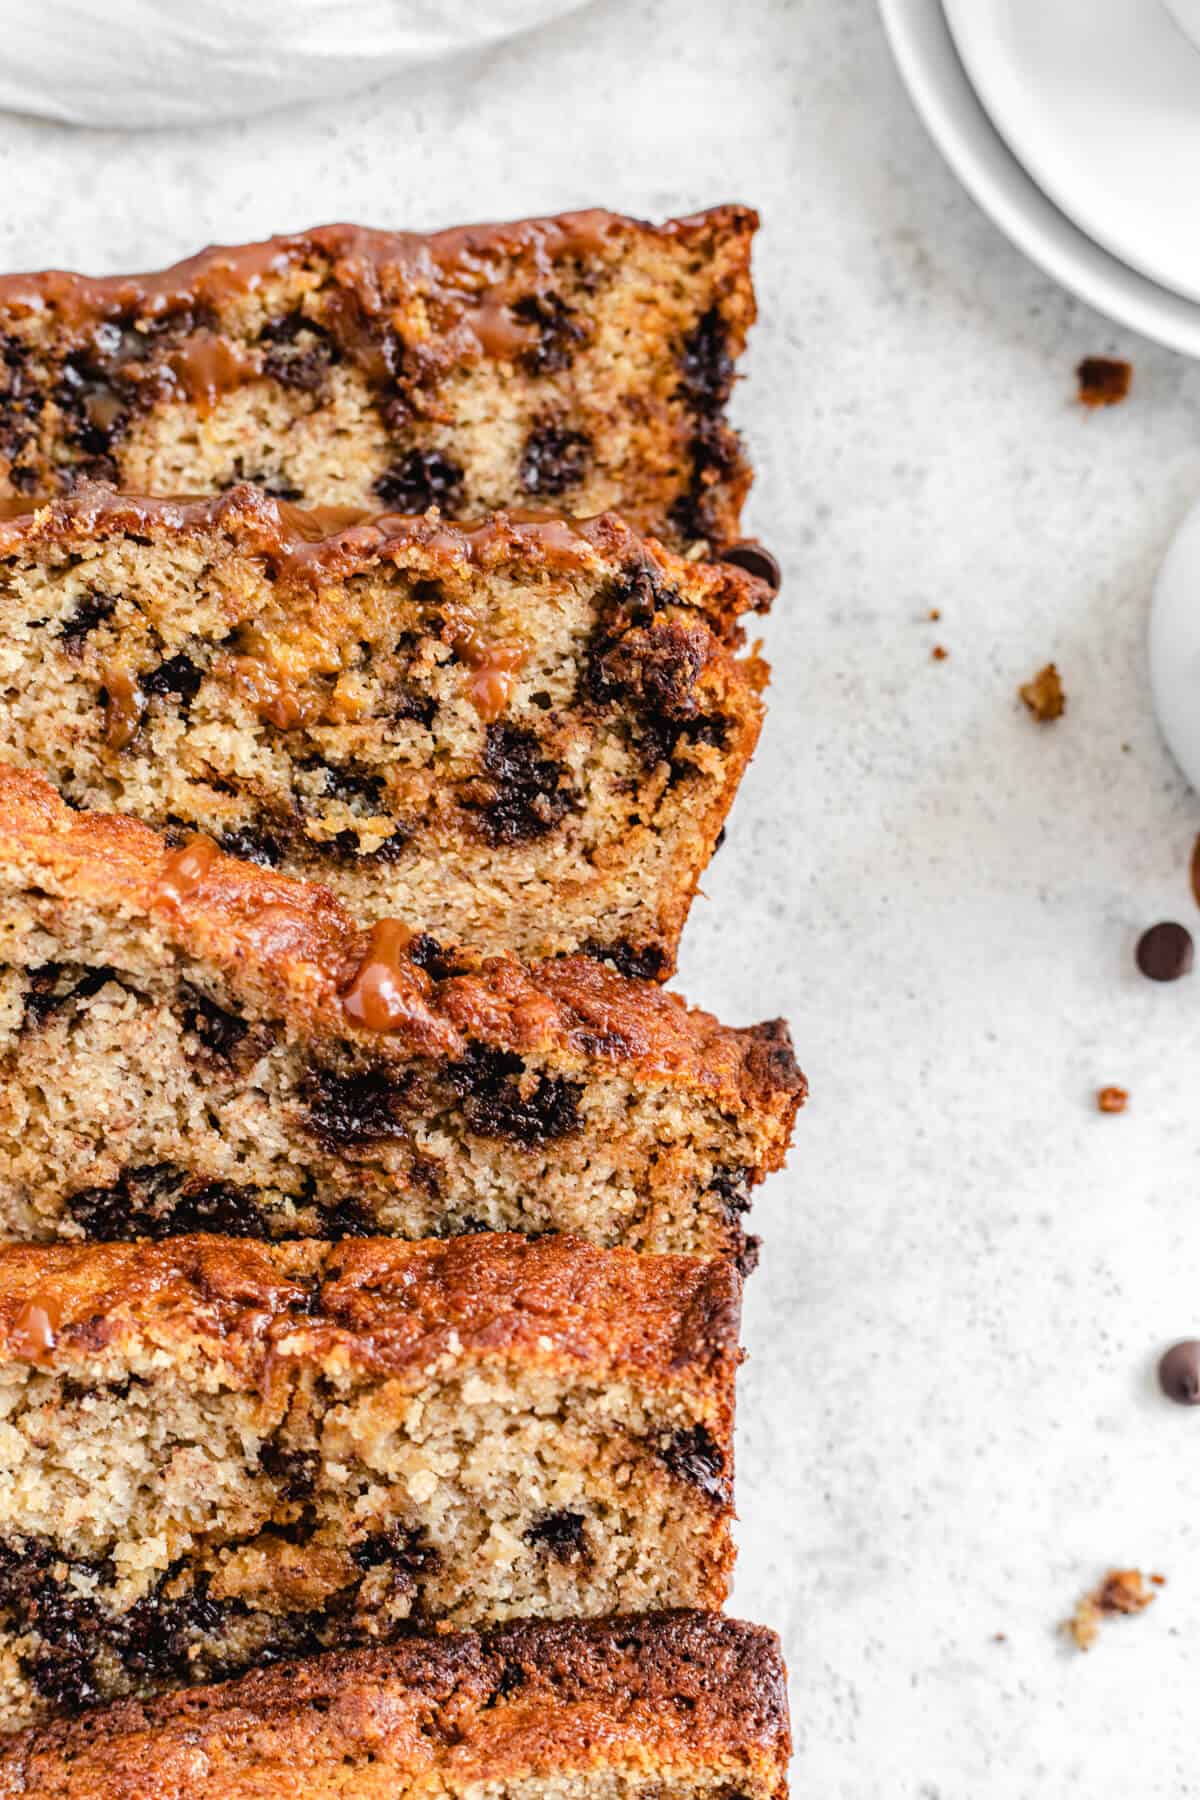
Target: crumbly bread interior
<point x="586" y="362"/>
<point x="158" y="1526"/>
<point x="137" y="1100"/>
<point x="528" y="754"/>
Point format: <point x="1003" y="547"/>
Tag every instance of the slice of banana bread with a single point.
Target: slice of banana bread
<point x="213" y="1453"/>
<point x="528" y="733"/>
<point x="586" y="359"/>
<point x="670" y="1706"/>
<point x="191" y="1042"/>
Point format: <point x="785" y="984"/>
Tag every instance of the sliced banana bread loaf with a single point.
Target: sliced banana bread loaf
<point x="586" y="359"/>
<point x="528" y="733"/>
<point x="673" y="1706"/>
<point x="213" y="1452"/>
<point x="191" y="1042"/>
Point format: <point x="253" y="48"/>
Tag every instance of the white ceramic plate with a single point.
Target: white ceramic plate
<point x="1175" y="647"/>
<point x="1100" y="100"/>
<point x="935" y="77"/>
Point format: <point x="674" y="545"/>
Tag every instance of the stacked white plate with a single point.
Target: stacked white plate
<point x="1076" y="125"/>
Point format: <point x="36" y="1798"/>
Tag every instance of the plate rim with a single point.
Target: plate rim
<point x="932" y="72"/>
<point x="995" y="97"/>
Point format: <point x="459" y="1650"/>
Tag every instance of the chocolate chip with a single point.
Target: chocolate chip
<point x="1179" y="1373"/>
<point x="561" y="1535"/>
<point x="522" y="795"/>
<point x="695" y="1456"/>
<point x="177" y="675"/>
<point x="554" y="459"/>
<point x="498" y="1101"/>
<point x="418" y="480"/>
<point x="89" y="613"/>
<point x="757" y="560"/>
<point x="1165" y="951"/>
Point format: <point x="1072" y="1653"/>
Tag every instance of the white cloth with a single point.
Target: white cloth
<point x="185" y="62"/>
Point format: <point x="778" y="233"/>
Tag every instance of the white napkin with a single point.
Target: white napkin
<point x="184" y="62"/>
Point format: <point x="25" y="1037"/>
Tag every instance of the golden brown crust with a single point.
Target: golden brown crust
<point x="378" y="1305"/>
<point x="367" y="260"/>
<point x="293" y="944"/>
<point x="666" y="1695"/>
<point x="408" y="318"/>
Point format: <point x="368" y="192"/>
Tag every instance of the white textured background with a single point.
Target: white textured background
<point x="948" y="1424"/>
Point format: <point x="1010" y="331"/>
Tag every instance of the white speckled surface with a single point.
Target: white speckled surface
<point x="949" y="1427"/>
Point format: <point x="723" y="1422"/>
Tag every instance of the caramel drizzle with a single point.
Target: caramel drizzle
<point x="388" y="989"/>
<point x="35" y="1330"/>
<point x="185" y="871"/>
<point x="205" y="367"/>
<point x="124" y="707"/>
<point x="492" y="671"/>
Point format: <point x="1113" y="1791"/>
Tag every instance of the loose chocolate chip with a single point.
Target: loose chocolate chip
<point x="757" y="560"/>
<point x="560" y="1534"/>
<point x="554" y="459"/>
<point x="1179" y="1373"/>
<point x="1165" y="951"/>
<point x="418" y="480"/>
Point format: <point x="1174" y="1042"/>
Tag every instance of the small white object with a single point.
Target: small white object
<point x="956" y="120"/>
<point x="1175" y="647"/>
<point x="1100" y="101"/>
<point x="161" y="62"/>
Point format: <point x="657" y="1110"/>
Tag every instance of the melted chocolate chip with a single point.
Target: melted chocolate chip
<point x="178" y="675"/>
<point x="559" y="329"/>
<point x="350" y="783"/>
<point x="706" y="367"/>
<point x="90" y="612"/>
<point x="497" y="1102"/>
<point x="757" y="560"/>
<point x="429" y="955"/>
<point x="418" y="480"/>
<point x="253" y="845"/>
<point x="554" y="459"/>
<point x="733" y="1187"/>
<point x="1165" y="951"/>
<point x="644" y="962"/>
<point x="526" y="796"/>
<point x="345" y="1110"/>
<point x="295" y="1471"/>
<point x="1179" y="1373"/>
<point x="301" y="353"/>
<point x="402" y="1551"/>
<point x="561" y="1535"/>
<point x="54" y="985"/>
<point x="695" y="1456"/>
<point x="160" y="1200"/>
<point x="219" y="1031"/>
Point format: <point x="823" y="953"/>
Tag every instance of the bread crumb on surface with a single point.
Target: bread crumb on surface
<point x="1044" y="695"/>
<point x="939" y="653"/>
<point x="1103" y="380"/>
<point x="935" y="613"/>
<point x="1112" y="1099"/>
<point x="1121" y="1591"/>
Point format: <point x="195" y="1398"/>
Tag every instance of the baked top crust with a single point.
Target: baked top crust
<point x="330" y="543"/>
<point x="292" y="945"/>
<point x="670" y="1693"/>
<point x="379" y="1307"/>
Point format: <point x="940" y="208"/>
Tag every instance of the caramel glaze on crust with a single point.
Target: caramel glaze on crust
<point x="384" y="1308"/>
<point x="333" y="543"/>
<point x="290" y="944"/>
<point x="411" y="322"/>
<point x="666" y="1694"/>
